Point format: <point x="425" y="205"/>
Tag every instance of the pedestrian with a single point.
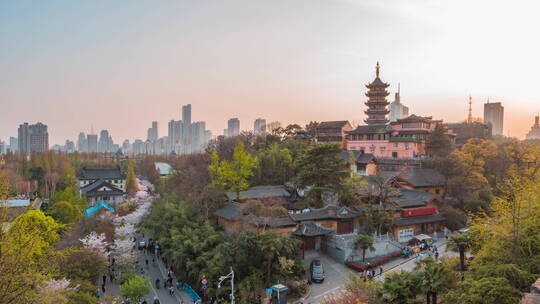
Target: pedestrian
<point x="436" y="255"/>
<point x="98" y="294"/>
<point x="381" y="270"/>
<point x="111" y="276"/>
<point x="171" y="290"/>
<point x="373" y="273"/>
<point x="103" y="288"/>
<point x="104" y="279"/>
<point x="177" y="285"/>
<point x="146" y="262"/>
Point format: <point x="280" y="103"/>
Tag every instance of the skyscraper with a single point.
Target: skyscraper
<point x="103" y="144"/>
<point x="92" y="142"/>
<point x="13" y="144"/>
<point x="33" y="138"/>
<point x="198" y="135"/>
<point x="186" y="114"/>
<point x="397" y="109"/>
<point x="153" y="134"/>
<point x="259" y="127"/>
<point x="82" y="145"/>
<point x="233" y="127"/>
<point x="186" y="129"/>
<point x="494" y="115"/>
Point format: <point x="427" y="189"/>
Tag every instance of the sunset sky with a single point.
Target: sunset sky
<point x="118" y="65"/>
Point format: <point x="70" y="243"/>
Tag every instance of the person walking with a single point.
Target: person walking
<point x="103" y="288"/>
<point x="381" y="270"/>
<point x="104" y="279"/>
<point x="146" y="262"/>
<point x="171" y="290"/>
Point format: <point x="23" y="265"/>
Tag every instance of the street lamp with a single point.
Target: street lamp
<point x="229" y="276"/>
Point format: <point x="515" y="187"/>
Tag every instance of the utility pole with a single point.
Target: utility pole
<point x="229" y="276"/>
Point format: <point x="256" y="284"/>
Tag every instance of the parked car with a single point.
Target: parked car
<point x="141" y="245"/>
<point x="316" y="271"/>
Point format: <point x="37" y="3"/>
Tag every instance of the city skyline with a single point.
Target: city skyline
<point x="74" y="66"/>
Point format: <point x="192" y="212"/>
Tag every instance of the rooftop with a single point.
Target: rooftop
<point x="103" y="173"/>
<point x="98" y="184"/>
<point x="414" y="220"/>
<point x="422" y="177"/>
<point x="328" y="212"/>
<point x="332" y="124"/>
<point x="413" y="198"/>
<point x="260" y="192"/>
<point x="311" y="229"/>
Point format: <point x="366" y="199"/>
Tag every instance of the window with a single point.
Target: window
<point x="396" y="145"/>
<point x="372" y="148"/>
<point x="394" y="154"/>
<point x="345" y="227"/>
<point x="406" y="146"/>
<point x="383" y="148"/>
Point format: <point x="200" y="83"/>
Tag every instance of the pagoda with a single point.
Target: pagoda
<point x="377" y="103"/>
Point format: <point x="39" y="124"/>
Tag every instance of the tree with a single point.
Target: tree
<point x="25" y="254"/>
<point x="82" y="264"/>
<point x="349" y="190"/>
<point x="135" y="287"/>
<point x="320" y="167"/>
<point x="399" y="288"/>
<point x="438" y="143"/>
<point x="434" y="278"/>
<point x="364" y="242"/>
<point x="460" y="243"/>
<point x="484" y="291"/>
<point x="275" y="165"/>
<point x="233" y="175"/>
<point x="65" y="213"/>
<point x="131" y="181"/>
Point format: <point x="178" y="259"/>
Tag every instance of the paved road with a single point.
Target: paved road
<point x="337" y="274"/>
<point x="158" y="271"/>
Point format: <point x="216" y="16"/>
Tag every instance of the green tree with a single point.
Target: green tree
<point x="459" y="243"/>
<point x="321" y="167"/>
<point x="364" y="242"/>
<point x="438" y="143"/>
<point x="233" y="175"/>
<point x="349" y="190"/>
<point x="399" y="288"/>
<point x="69" y="194"/>
<point x="65" y="212"/>
<point x="433" y="278"/>
<point x="136" y="287"/>
<point x="275" y="165"/>
<point x="131" y="182"/>
<point x="80" y="264"/>
<point x="484" y="291"/>
<point x="25" y="254"/>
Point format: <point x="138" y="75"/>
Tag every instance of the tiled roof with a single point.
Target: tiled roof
<point x="361" y="158"/>
<point x="229" y="212"/>
<point x="414" y="220"/>
<point x="421" y="177"/>
<point x="328" y="212"/>
<point x="98" y="184"/>
<point x="311" y="229"/>
<point x="332" y="124"/>
<point x="274" y="222"/>
<point x="260" y="192"/>
<point x="368" y="129"/>
<point x="413" y="198"/>
<point x="103" y="173"/>
<point x="530" y="298"/>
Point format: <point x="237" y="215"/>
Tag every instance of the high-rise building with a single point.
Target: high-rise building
<point x="92" y="142"/>
<point x="494" y="115"/>
<point x="259" y="127"/>
<point x="186" y="114"/>
<point x="138" y="147"/>
<point x="33" y="138"/>
<point x="103" y="144"/>
<point x="377" y="103"/>
<point x="153" y="134"/>
<point x="69" y="147"/>
<point x="233" y="127"/>
<point x="126" y="147"/>
<point x="198" y="135"/>
<point x="3" y="147"/>
<point x="534" y="133"/>
<point x="13" y="144"/>
<point x="82" y="145"/>
<point x="397" y="109"/>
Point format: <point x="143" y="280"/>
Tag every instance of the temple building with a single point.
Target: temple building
<point x="534" y="133"/>
<point x="403" y="138"/>
<point x="102" y="184"/>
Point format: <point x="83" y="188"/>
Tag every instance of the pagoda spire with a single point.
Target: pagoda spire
<point x="377" y="68"/>
<point x="470" y="118"/>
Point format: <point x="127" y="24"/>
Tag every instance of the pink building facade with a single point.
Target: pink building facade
<point x="405" y="138"/>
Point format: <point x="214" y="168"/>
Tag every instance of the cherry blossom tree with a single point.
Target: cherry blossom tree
<point x="96" y="242"/>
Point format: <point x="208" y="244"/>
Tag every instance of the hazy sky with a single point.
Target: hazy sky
<point x="118" y="65"/>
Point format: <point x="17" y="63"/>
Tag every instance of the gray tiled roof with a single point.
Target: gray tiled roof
<point x="368" y="129"/>
<point x="421" y="177"/>
<point x="332" y="124"/>
<point x="311" y="229"/>
<point x="270" y="221"/>
<point x="413" y="198"/>
<point x="328" y="212"/>
<point x="364" y="158"/>
<point x="90" y="188"/>
<point x="103" y="173"/>
<point x="260" y="192"/>
<point x="230" y="211"/>
<point x="414" y="220"/>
